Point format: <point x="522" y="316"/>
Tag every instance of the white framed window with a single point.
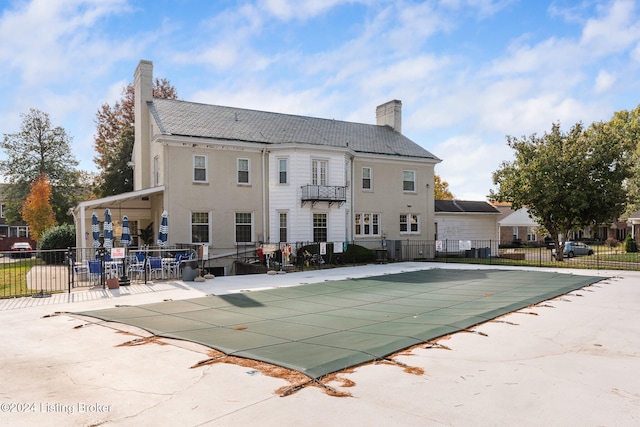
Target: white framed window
<point x="409" y="223"/>
<point x="244" y="227"/>
<point x="515" y="233"/>
<point x="200" y="168"/>
<point x="531" y="234"/>
<point x="367" y="178"/>
<point x="200" y="227"/>
<point x="283" y="171"/>
<point x="319" y="170"/>
<point x="409" y="181"/>
<point x="282" y="226"/>
<point x="19" y="231"/>
<point x="367" y="224"/>
<point x="2" y="210"/>
<point x="319" y="227"/>
<point x="243" y="171"/>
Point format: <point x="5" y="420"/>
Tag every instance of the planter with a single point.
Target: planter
<point x="113" y="283"/>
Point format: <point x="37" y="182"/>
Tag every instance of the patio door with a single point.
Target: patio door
<point x="319" y="172"/>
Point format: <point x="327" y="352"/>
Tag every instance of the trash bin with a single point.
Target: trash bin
<point x="484" y="253"/>
<point x="188" y="270"/>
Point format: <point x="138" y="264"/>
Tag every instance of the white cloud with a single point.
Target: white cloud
<point x="468" y="164"/>
<point x="616" y="30"/>
<point x="604" y="81"/>
<point x="286" y="10"/>
<point x="49" y="39"/>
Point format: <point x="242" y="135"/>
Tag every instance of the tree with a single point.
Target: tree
<point x="114" y="139"/>
<point x="39" y="148"/>
<point x="441" y="189"/>
<point x="567" y="180"/>
<point x="37" y="210"/>
<point x="627" y="125"/>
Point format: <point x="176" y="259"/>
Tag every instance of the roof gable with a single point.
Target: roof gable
<point x="519" y="218"/>
<point x="236" y="124"/>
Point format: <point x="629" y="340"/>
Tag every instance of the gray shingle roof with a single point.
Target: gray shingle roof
<point x="464" y="206"/>
<point x="236" y="124"/>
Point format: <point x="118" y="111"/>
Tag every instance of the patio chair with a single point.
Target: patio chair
<point x="95" y="271"/>
<point x="155" y="267"/>
<point x="81" y="271"/>
<point x="173" y="267"/>
<point x="136" y="267"/>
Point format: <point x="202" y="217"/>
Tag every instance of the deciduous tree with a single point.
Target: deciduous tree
<point x="37" y="211"/>
<point x="627" y="125"/>
<point x="114" y="139"/>
<point x="441" y="189"/>
<point x="39" y="147"/>
<point x="567" y="180"/>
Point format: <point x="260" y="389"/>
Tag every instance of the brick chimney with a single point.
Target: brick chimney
<point x="143" y="93"/>
<point x="390" y="114"/>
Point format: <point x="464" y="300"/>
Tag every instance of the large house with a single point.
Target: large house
<point x="232" y="178"/>
<point x="11" y="232"/>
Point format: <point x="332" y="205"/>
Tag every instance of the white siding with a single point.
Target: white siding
<point x="287" y="197"/>
<point x="467" y="227"/>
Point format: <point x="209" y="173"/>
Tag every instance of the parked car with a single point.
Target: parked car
<point x="21" y="250"/>
<point x="572" y="249"/>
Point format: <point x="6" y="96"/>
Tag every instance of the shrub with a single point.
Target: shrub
<point x="358" y="254"/>
<point x="58" y="237"/>
<point x="630" y="244"/>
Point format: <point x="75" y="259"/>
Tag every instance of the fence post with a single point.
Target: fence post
<point x="489" y="254"/>
<point x="70" y="265"/>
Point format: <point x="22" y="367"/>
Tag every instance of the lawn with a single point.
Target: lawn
<point x="13" y="277"/>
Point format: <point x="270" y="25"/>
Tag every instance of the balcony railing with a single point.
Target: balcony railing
<point x="324" y="193"/>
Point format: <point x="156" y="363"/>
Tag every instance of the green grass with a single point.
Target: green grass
<point x="13" y="277"/>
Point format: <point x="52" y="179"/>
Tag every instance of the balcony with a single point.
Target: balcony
<point x="324" y="193"/>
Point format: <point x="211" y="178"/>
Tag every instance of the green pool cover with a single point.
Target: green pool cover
<point x="322" y="328"/>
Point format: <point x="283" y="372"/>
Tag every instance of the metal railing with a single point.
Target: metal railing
<point x="324" y="193"/>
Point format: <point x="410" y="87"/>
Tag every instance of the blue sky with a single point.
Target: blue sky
<point x="468" y="72"/>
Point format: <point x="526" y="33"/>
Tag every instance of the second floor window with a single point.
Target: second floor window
<point x="243" y="171"/>
<point x="282" y="171"/>
<point x="199" y="168"/>
<point x="408" y="181"/>
<point x="366" y="179"/>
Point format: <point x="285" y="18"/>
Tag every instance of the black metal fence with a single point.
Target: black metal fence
<point x="586" y="254"/>
<point x="41" y="273"/>
<point x="596" y="255"/>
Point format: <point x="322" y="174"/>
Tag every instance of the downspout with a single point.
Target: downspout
<point x="352" y="202"/>
<point x="264" y="197"/>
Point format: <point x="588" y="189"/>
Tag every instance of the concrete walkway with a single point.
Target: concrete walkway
<point x="575" y="362"/>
